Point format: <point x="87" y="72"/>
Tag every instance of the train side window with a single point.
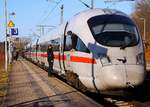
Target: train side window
<point x="71" y="40"/>
<point x="33" y="48"/>
<point x="55" y="43"/>
<point x="68" y="44"/>
<point x="74" y="39"/>
<point x="81" y="46"/>
<point x="44" y="47"/>
<point x="37" y="47"/>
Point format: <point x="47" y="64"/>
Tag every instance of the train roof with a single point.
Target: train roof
<point x="78" y="23"/>
<point x="82" y="17"/>
<point x="97" y="11"/>
<point x="79" y="20"/>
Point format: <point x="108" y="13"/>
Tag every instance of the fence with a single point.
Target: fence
<point x="2" y="55"/>
<point x="147" y="54"/>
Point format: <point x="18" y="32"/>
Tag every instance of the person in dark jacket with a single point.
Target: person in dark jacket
<point x="73" y="38"/>
<point x="50" y="59"/>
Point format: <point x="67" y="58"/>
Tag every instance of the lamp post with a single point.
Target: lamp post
<point x="144" y="25"/>
<point x="6" y="35"/>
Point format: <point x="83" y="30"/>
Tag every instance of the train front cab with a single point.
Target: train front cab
<point x="119" y="51"/>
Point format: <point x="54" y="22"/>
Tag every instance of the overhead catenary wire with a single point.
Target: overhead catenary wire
<point x="84" y="4"/>
<point x="49" y="13"/>
<point x="45" y="12"/>
<point x="57" y="3"/>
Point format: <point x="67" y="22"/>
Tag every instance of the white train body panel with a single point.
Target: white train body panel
<point x="105" y="67"/>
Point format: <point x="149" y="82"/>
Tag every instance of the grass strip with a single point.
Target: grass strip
<point x="3" y="83"/>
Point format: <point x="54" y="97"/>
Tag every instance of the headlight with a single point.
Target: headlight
<point x="140" y="58"/>
<point x="105" y="60"/>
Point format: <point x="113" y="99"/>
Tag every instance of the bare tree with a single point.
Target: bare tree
<point x="142" y="10"/>
<point x="20" y="43"/>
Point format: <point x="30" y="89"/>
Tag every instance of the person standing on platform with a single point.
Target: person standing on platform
<point x="17" y="55"/>
<point x="50" y="59"/>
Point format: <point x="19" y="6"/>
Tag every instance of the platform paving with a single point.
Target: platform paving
<point x="29" y="86"/>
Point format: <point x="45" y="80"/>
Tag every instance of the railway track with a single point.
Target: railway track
<point x="124" y="103"/>
<point x="118" y="100"/>
<point x="120" y="103"/>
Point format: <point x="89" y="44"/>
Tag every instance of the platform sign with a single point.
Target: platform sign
<point x="14" y="31"/>
<point x="11" y="24"/>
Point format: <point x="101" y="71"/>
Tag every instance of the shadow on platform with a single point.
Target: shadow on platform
<point x="44" y="101"/>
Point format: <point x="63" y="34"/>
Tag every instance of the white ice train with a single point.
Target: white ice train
<point x="108" y="51"/>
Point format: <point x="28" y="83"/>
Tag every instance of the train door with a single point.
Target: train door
<point x="62" y="56"/>
<point x="70" y="43"/>
<point x="68" y="52"/>
<point x="56" y="48"/>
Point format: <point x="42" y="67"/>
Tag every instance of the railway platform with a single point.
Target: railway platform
<point x="29" y="86"/>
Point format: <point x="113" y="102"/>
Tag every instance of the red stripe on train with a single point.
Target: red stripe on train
<point x="72" y="58"/>
<point x="82" y="59"/>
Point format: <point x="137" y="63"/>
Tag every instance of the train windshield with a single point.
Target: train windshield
<point x="113" y="30"/>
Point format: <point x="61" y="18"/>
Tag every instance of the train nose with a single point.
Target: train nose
<point x="117" y="77"/>
<point x="135" y="75"/>
<point x="114" y="77"/>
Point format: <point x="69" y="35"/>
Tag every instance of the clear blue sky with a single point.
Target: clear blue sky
<point x="30" y="13"/>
